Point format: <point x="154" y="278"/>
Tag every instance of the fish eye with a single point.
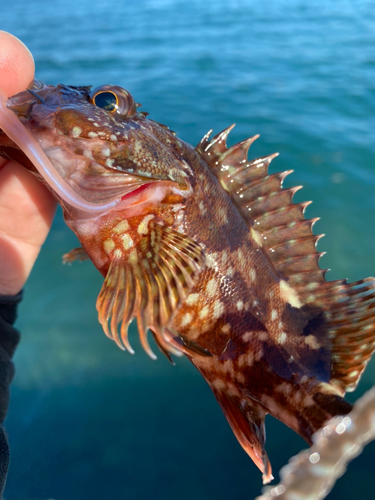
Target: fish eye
<point x="113" y="99"/>
<point x="106" y="100"/>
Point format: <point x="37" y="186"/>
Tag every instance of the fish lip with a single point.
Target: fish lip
<point x="135" y="201"/>
<point x="138" y="190"/>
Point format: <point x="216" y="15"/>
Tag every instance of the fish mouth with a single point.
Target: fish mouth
<point x="16" y="131"/>
<point x="84" y="185"/>
<point x="78" y="171"/>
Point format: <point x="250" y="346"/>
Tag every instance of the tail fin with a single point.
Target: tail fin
<point x="350" y="314"/>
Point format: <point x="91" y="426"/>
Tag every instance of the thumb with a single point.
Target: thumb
<point x="16" y="64"/>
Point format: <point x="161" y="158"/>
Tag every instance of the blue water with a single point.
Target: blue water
<point x="88" y="421"/>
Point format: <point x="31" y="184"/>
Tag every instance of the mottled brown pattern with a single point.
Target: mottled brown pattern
<point x="208" y="251"/>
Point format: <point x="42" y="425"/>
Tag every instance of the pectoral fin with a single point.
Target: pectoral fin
<point x="75" y="254"/>
<point x="185" y="345"/>
<point x="151" y="272"/>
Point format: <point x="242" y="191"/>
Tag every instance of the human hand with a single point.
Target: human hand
<point x="26" y="206"/>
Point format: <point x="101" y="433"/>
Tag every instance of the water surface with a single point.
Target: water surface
<point x="89" y="421"/>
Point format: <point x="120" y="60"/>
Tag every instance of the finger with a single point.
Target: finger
<point x="26" y="213"/>
<point x="16" y="64"/>
<point x="26" y="206"/>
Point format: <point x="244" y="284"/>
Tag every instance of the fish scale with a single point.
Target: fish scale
<point x="206" y="250"/>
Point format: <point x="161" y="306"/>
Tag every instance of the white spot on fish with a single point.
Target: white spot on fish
<point x="328" y="388"/>
<point x="239" y="305"/>
<point x="232" y="390"/>
<point x="211" y="260"/>
<point x="204" y="312"/>
<point x="121" y="227"/>
<point x="219" y="384"/>
<point x="226" y="328"/>
<point x="311" y="341"/>
<point x="88" y="154"/>
<point x="106" y="152"/>
<point x="223" y="215"/>
<point x="247" y="336"/>
<point x="281" y="339"/>
<point x="186" y="320"/>
<point x="218" y="309"/>
<point x="192" y="299"/>
<point x="284" y="388"/>
<point x="202" y="208"/>
<point x="289" y="294"/>
<point x="242" y="360"/>
<point x="263" y="336"/>
<point x="143" y="226"/>
<point x="127" y="241"/>
<point x="252" y="274"/>
<point x="297" y="397"/>
<point x="76" y="131"/>
<point x="273" y="314"/>
<point x="212" y="287"/>
<point x="230" y="272"/>
<point x="240" y="256"/>
<point x="259" y="355"/>
<point x="250" y="359"/>
<point x="109" y="245"/>
<point x="227" y="367"/>
<point x="256" y="237"/>
<point x="109" y="162"/>
<point x="308" y="401"/>
<point x="113" y="138"/>
<point x="92" y="135"/>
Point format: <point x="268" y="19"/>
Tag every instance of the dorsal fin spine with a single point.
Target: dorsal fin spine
<point x="239" y="151"/>
<point x="217" y="144"/>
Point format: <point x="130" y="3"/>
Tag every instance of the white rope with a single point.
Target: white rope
<point x="311" y="474"/>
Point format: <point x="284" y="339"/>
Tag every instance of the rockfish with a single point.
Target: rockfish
<point x="208" y="252"/>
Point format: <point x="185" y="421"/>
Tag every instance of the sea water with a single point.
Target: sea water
<point x="88" y="421"/>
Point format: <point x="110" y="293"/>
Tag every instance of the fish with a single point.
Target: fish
<point x="207" y="251"/>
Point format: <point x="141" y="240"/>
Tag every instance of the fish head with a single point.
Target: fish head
<point x="99" y="142"/>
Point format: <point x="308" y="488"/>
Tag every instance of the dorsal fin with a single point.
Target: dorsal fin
<point x="278" y="226"/>
<point x="275" y="221"/>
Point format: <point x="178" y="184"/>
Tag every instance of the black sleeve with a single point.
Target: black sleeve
<point x="9" y="338"/>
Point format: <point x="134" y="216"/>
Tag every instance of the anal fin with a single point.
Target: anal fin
<point x="247" y="423"/>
